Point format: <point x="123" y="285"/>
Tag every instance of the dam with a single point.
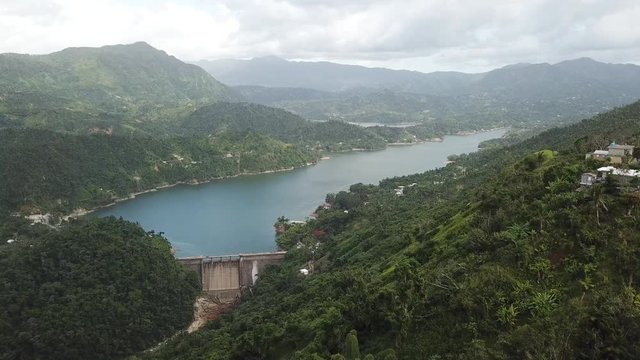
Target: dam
<point x="225" y="276"/>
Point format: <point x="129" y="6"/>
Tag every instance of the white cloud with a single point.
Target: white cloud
<point x="418" y="34"/>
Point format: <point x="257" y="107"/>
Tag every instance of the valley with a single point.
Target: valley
<point x="481" y="245"/>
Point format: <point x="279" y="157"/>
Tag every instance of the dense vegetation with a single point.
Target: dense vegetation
<point x="496" y="256"/>
<point x="99" y="289"/>
<point x="43" y="171"/>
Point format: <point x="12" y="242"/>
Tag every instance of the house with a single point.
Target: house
<point x="620" y="150"/>
<point x="588" y="179"/>
<point x="617" y="152"/>
<point x="598" y="155"/>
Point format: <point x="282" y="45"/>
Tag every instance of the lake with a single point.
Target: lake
<point x="236" y="215"/>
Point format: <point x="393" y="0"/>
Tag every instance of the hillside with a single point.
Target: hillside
<point x="100" y="289"/>
<point x="281" y="125"/>
<point x="43" y="171"/>
<point x="119" y="86"/>
<point x="496" y="256"/>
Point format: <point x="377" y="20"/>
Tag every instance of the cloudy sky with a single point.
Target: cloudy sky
<point x="425" y="35"/>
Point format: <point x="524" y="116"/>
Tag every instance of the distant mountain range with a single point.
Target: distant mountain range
<point x="528" y="96"/>
<point x="326" y="76"/>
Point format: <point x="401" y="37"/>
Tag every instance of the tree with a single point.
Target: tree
<point x="352" y="349"/>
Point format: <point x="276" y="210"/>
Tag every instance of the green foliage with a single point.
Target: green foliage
<point x="92" y="289"/>
<point x="351" y="348"/>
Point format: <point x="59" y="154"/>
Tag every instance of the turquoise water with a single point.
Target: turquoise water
<point x="236" y="215"/>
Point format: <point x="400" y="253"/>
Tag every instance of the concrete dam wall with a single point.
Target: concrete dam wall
<point x="225" y="276"/>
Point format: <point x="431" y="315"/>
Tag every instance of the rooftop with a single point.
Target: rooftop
<point x="621" y="172"/>
<point x="618" y="146"/>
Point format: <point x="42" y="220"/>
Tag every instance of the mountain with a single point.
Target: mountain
<point x="111" y="86"/>
<point x="134" y="72"/>
<point x="499" y="255"/>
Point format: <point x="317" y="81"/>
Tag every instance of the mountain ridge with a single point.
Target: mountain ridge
<point x="126" y="87"/>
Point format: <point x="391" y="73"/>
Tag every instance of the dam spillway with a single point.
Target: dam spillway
<point x="225" y="276"/>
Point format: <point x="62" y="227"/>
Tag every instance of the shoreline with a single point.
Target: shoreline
<point x="80" y="212"/>
<point x="438" y="139"/>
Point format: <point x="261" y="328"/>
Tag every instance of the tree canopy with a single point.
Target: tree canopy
<point x="103" y="288"/>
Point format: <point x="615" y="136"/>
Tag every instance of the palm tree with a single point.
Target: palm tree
<point x="598" y="200"/>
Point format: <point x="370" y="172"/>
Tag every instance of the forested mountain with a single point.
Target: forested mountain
<point x="43" y="171"/>
<point x="110" y="74"/>
<point x="120" y="88"/>
<point x="499" y="255"/>
<point x="99" y="289"/>
<point x="281" y="125"/>
<point x="530" y="97"/>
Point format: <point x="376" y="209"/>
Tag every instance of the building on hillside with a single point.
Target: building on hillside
<point x="615" y="153"/>
<point x="601" y="155"/>
<point x="588" y="179"/>
<point x="623" y="177"/>
<point x="620" y="150"/>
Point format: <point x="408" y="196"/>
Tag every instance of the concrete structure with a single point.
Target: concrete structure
<point x="225" y="276"/>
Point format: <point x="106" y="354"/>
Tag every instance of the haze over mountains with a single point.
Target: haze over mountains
<point x="326" y="76"/>
<point x="528" y="96"/>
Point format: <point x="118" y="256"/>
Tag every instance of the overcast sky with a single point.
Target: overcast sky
<point x="425" y="35"/>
